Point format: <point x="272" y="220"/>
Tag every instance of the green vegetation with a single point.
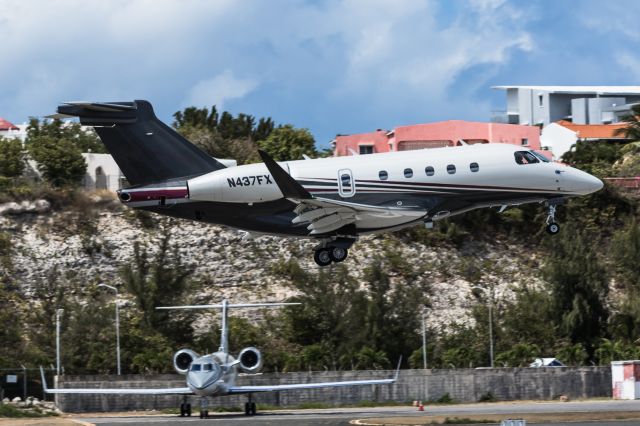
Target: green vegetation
<point x="578" y="299"/>
<point x="226" y="136"/>
<point x="8" y="410"/>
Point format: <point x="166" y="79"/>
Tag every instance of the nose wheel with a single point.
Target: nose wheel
<point x="552" y="227"/>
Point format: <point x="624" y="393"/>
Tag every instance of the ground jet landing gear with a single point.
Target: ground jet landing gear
<point x="185" y="408"/>
<point x="250" y="407"/>
<point x="204" y="413"/>
<point x="552" y="227"/>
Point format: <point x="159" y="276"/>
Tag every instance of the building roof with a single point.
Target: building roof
<point x="596" y="90"/>
<point x="7" y="125"/>
<point x="594" y="131"/>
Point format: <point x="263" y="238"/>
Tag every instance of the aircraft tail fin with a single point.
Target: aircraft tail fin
<point x="145" y="149"/>
<point x="225" y="306"/>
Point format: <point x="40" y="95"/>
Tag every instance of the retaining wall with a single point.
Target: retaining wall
<point x="463" y="385"/>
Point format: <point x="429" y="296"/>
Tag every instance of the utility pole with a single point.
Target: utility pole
<point x="59" y="313"/>
<point x="424" y="341"/>
<point x="117" y="325"/>
<point x="491" y="324"/>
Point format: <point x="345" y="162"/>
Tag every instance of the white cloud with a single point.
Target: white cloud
<point x="630" y="62"/>
<point x="217" y="90"/>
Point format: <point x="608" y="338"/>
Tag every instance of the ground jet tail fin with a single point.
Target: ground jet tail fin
<point x="146" y="149"/>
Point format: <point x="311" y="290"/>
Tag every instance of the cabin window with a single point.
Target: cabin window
<point x="346" y="179"/>
<point x="195" y="367"/>
<point x="383" y="175"/>
<point x="408" y="173"/>
<point x="451" y="169"/>
<point x="474" y="167"/>
<point x="429" y="171"/>
<point x="525" y="157"/>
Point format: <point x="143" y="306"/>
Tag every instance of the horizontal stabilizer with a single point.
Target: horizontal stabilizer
<point x="230" y="305"/>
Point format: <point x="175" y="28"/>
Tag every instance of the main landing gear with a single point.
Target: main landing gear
<point x="334" y="250"/>
<point x="324" y="256"/>
<point x="552" y="227"/>
<point x="250" y="407"/>
<point x="185" y="408"/>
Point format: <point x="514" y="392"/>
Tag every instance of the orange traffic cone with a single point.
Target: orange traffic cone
<point x="420" y="406"/>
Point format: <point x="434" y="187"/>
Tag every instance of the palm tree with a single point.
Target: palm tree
<point x="632" y="129"/>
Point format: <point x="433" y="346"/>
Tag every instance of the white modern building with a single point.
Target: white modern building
<point x="102" y="173"/>
<point x="543" y="105"/>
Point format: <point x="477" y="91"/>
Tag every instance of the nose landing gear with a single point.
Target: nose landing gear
<point x="552" y="227"/>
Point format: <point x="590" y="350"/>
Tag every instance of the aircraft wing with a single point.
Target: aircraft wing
<point x="325" y="214"/>
<point x="251" y="389"/>
<point x="293" y="386"/>
<point x="116" y="391"/>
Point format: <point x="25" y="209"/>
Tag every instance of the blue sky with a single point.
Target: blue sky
<point x="330" y="66"/>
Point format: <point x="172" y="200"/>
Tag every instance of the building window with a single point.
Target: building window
<point x="525" y="142"/>
<point x="451" y="169"/>
<point x="366" y="149"/>
<point x="474" y="167"/>
<point x="408" y="173"/>
<point x="429" y="171"/>
<point x="383" y="175"/>
<point x="540" y="100"/>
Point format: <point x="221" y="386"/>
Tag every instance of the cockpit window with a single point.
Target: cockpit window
<point x="195" y="367"/>
<point x="525" y="157"/>
<point x="207" y="367"/>
<point x="540" y="156"/>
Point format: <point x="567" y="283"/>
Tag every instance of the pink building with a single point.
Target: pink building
<point x="436" y="135"/>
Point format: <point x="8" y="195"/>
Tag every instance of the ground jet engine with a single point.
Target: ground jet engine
<point x="250" y="360"/>
<point x="183" y="359"/>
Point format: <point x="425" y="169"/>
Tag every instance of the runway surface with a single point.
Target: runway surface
<point x="343" y="416"/>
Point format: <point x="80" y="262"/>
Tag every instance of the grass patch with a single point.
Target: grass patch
<point x="7" y="410"/>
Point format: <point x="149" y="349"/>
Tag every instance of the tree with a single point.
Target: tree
<point x="288" y="143"/>
<point x="11" y="157"/>
<point x="160" y="281"/>
<point x="84" y="139"/>
<point x="579" y="288"/>
<point x="59" y="160"/>
<point x="632" y="128"/>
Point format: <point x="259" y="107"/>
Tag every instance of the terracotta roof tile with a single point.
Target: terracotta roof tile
<point x="6" y="125"/>
<point x="594" y="131"/>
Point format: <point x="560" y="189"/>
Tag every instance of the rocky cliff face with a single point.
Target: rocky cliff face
<point x="95" y="241"/>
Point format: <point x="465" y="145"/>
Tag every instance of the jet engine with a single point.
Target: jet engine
<point x="250" y="360"/>
<point x="182" y="360"/>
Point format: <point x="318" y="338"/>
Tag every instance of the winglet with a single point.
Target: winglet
<point x="289" y="186"/>
<point x="44" y="380"/>
<point x="398" y="369"/>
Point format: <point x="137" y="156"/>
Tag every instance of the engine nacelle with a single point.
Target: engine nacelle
<point x="250" y="360"/>
<point x="182" y="360"/>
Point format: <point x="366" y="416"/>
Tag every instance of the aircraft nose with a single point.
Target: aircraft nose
<point x="584" y="183"/>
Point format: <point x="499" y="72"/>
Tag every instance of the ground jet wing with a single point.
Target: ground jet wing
<point x="293" y="386"/>
<point x="116" y="391"/>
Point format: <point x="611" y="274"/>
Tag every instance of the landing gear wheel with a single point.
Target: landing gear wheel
<point x="253" y="409"/>
<point x="183" y="411"/>
<point x="553" y="228"/>
<point x="247" y="409"/>
<point x="188" y="410"/>
<point x="338" y="254"/>
<point x="322" y="256"/>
